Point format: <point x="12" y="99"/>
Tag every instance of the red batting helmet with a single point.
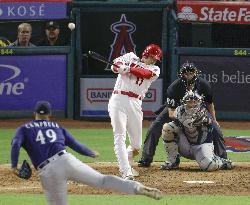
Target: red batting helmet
<point x="153" y="50"/>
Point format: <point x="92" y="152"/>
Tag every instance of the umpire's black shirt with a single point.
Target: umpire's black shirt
<point x="177" y="90"/>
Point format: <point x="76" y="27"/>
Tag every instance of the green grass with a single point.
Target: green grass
<point x="28" y="199"/>
<point x="101" y="140"/>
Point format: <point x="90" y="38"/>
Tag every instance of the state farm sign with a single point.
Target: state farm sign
<point x="220" y="12"/>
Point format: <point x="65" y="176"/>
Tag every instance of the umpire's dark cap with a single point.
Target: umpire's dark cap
<point x="43" y="108"/>
<point x="51" y="24"/>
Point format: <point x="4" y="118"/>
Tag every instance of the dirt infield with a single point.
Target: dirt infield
<point x="13" y="123"/>
<point x="226" y="182"/>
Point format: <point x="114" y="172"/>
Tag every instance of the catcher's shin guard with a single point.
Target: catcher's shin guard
<point x="215" y="164"/>
<point x="171" y="149"/>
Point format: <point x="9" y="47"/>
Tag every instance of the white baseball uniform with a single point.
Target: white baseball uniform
<point x="125" y="110"/>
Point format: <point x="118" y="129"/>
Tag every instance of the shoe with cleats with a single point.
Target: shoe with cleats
<point x="135" y="173"/>
<point x="144" y="163"/>
<point x="169" y="165"/>
<point x="227" y="164"/>
<point x="129" y="177"/>
<point x="149" y="192"/>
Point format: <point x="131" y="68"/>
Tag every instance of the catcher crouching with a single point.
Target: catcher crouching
<point x="190" y="136"/>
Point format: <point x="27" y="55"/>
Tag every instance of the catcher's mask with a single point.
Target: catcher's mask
<point x="185" y="68"/>
<point x="192" y="102"/>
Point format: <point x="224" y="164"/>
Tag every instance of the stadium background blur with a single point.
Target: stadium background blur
<point x="212" y="34"/>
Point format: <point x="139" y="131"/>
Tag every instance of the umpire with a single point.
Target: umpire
<point x="188" y="80"/>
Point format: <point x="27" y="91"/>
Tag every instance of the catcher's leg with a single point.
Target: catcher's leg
<point x="207" y="160"/>
<point x="119" y="121"/>
<point x="169" y="140"/>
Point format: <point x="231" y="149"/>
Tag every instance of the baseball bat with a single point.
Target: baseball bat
<point x="100" y="58"/>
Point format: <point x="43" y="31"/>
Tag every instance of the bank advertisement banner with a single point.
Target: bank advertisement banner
<point x="27" y="79"/>
<point x="95" y="94"/>
<point x="212" y="11"/>
<point x="33" y="10"/>
<point x="229" y="78"/>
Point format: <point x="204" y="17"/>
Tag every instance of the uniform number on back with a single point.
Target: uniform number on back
<point x="139" y="81"/>
<point x="50" y="134"/>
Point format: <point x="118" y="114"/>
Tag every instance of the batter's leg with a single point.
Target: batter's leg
<point x="134" y="129"/>
<point x="152" y="138"/>
<point x="119" y="122"/>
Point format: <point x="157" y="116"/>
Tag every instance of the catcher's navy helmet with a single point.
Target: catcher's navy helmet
<point x="188" y="67"/>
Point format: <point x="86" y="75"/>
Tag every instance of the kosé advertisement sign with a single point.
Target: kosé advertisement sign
<point x="220" y="12"/>
<point x="33" y="10"/>
<point x="27" y="79"/>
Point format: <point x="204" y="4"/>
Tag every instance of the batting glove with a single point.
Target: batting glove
<point x="122" y="69"/>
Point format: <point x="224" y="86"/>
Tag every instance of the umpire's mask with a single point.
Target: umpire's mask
<point x="184" y="70"/>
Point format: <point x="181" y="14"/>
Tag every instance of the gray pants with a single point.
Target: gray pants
<point x="203" y="154"/>
<point x="155" y="131"/>
<point x="54" y="178"/>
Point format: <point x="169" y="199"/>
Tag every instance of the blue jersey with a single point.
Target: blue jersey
<point x="42" y="139"/>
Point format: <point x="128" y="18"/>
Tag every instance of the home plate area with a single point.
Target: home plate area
<point x="188" y="179"/>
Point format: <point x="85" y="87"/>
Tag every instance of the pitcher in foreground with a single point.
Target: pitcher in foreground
<point x="45" y="142"/>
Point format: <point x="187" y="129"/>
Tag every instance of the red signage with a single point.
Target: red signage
<point x="210" y="11"/>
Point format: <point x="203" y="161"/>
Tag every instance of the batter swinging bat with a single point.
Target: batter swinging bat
<point x="99" y="57"/>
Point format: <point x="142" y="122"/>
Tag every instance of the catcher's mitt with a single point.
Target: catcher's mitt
<point x="201" y="118"/>
<point x="25" y="171"/>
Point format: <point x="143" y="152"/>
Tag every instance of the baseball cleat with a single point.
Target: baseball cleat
<point x="169" y="165"/>
<point x="134" y="172"/>
<point x="227" y="164"/>
<point x="150" y="192"/>
<point x="129" y="177"/>
<point x="144" y="163"/>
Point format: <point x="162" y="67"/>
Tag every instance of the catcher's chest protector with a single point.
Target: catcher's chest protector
<point x="194" y="134"/>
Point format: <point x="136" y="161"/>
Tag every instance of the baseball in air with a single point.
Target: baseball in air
<point x="71" y="26"/>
